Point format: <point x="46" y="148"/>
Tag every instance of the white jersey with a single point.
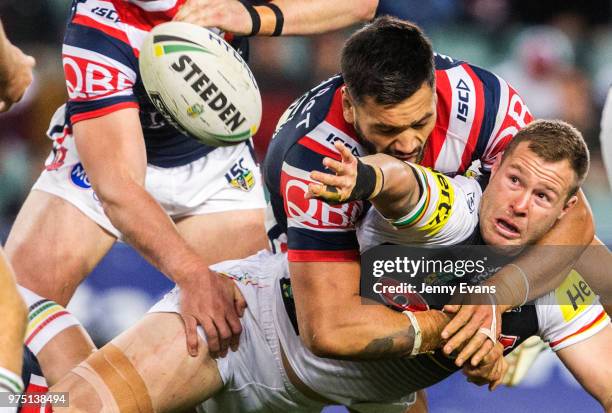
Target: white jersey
<point x="446" y="214"/>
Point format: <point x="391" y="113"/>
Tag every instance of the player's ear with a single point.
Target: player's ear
<point x="496" y="164"/>
<point x="348" y="108"/>
<point x="571" y="202"/>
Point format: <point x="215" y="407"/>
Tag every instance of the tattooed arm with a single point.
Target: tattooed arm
<point x="335" y="323"/>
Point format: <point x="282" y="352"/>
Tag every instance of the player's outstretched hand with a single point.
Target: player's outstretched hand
<point x="474" y="329"/>
<point x="491" y="370"/>
<point x="227" y="15"/>
<point x="214" y="302"/>
<point x="15" y="75"/>
<point x="337" y="187"/>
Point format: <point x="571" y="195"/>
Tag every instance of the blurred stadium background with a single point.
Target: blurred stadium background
<point x="557" y="54"/>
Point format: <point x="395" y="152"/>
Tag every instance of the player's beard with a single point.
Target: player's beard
<point x="367" y="145"/>
<point x="371" y="149"/>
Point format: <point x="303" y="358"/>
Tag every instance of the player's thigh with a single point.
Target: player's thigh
<point x="227" y="235"/>
<point x="53" y="246"/>
<point x="146" y="368"/>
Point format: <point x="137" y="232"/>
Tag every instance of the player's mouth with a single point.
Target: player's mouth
<point x="408" y="157"/>
<point x="507" y="229"/>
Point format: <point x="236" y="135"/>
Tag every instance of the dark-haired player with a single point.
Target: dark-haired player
<point x="395" y="97"/>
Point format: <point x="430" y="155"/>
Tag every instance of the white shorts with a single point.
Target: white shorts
<point x="254" y="378"/>
<point x="226" y="179"/>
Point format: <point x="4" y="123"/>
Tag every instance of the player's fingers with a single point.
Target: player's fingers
<point x="225" y="334"/>
<point x="236" y="330"/>
<point x="191" y="326"/>
<point x="334" y="165"/>
<point x="314" y="191"/>
<point x="463" y="316"/>
<point x="451" y="308"/>
<point x="482" y="353"/>
<point x="345" y="152"/>
<point x="327" y="179"/>
<point x="500" y="380"/>
<point x="212" y="337"/>
<point x="475" y="343"/>
<point x="240" y="303"/>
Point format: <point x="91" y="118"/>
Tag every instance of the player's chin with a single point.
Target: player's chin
<point x="501" y="243"/>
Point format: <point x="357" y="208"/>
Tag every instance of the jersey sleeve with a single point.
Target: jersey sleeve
<point x="316" y="231"/>
<point x="570" y="314"/>
<point x="445" y="214"/>
<point x="100" y="66"/>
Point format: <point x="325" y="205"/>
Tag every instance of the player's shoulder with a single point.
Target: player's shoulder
<point x="306" y="132"/>
<point x="95" y="33"/>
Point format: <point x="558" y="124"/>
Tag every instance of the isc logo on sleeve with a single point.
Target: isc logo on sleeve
<point x="574" y="295"/>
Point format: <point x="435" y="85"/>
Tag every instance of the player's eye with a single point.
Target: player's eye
<point x="418" y="126"/>
<point x="514" y="179"/>
<point x="543" y="196"/>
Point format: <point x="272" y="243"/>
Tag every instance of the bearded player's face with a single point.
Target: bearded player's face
<point x="399" y="130"/>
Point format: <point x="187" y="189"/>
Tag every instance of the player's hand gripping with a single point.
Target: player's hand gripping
<point x="227" y="15"/>
<point x="15" y="75"/>
<point x="353" y="179"/>
<point x="474" y="329"/>
<point x="215" y="303"/>
<point x="491" y="370"/>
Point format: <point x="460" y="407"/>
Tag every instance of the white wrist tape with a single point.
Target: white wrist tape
<point x="491" y="332"/>
<point x="418" y="336"/>
<point x="525" y="279"/>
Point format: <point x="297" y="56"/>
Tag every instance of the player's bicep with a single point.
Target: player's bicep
<point x="590" y="361"/>
<point x="112" y="149"/>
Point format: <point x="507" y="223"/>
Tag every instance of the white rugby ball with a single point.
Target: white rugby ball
<point x="200" y="83"/>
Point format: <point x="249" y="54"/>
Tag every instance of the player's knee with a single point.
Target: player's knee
<point x="107" y="381"/>
<point x="81" y="395"/>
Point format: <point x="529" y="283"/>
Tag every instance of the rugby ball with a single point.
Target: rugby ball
<point x="200" y="84"/>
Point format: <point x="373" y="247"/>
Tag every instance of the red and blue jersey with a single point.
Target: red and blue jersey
<point x="100" y="58"/>
<point x="478" y="113"/>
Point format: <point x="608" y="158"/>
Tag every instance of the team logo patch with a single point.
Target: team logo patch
<point x="79" y="177"/>
<point x="240" y="177"/>
<point x="195" y="110"/>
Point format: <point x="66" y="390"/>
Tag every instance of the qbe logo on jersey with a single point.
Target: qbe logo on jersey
<point x="315" y="214"/>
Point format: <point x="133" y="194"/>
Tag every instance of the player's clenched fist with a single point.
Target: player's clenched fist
<point x="227" y="15"/>
<point x="15" y="72"/>
<point x="352" y="179"/>
<point x="491" y="369"/>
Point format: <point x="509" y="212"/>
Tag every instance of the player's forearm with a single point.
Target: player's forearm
<point x="370" y="332"/>
<point x="145" y="225"/>
<point x="318" y="16"/>
<point x="13" y="319"/>
<point x="400" y="191"/>
<point x="545" y="266"/>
